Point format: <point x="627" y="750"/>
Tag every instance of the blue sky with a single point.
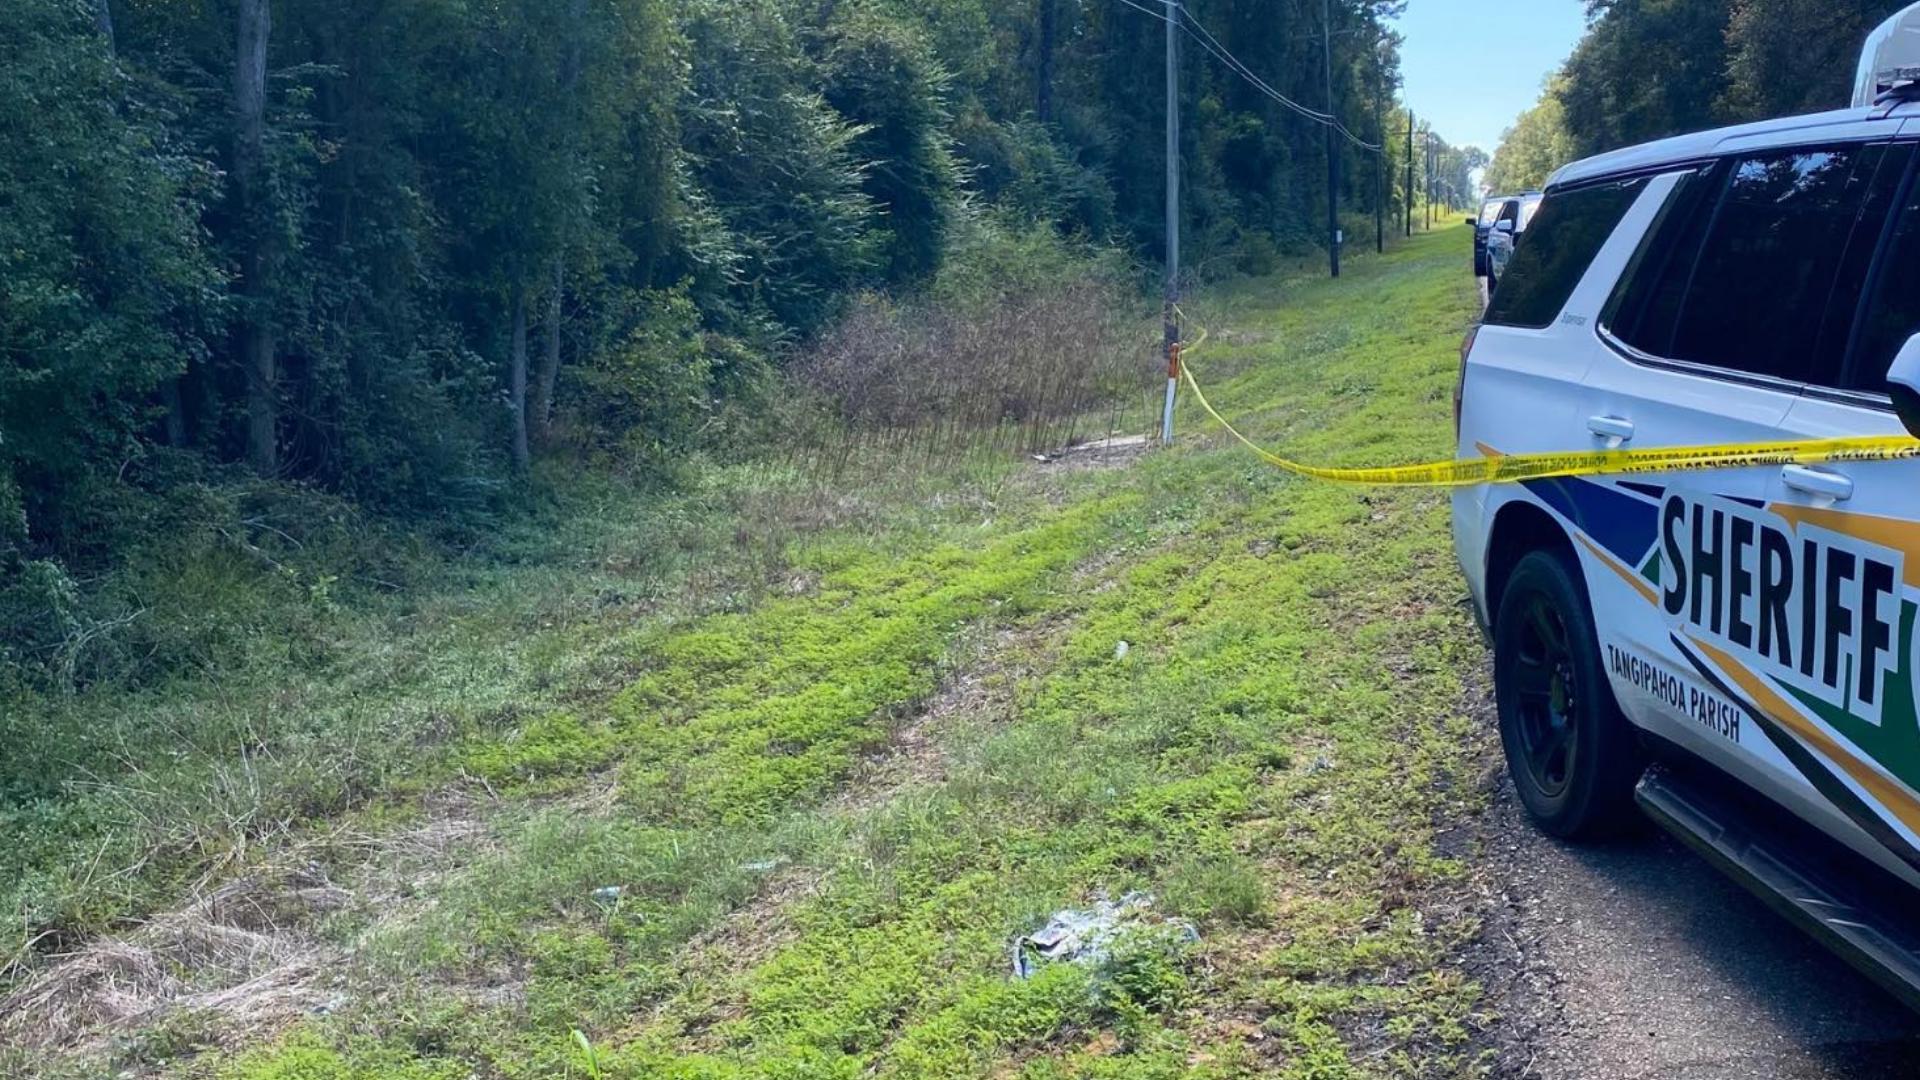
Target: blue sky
<point x="1472" y="66"/>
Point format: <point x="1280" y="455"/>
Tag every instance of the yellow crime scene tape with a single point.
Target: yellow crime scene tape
<point x="1510" y="468"/>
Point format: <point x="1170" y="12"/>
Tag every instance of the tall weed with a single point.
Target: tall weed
<point x="1026" y="343"/>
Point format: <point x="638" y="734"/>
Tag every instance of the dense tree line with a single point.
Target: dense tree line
<point x="396" y="250"/>
<point x="1651" y="68"/>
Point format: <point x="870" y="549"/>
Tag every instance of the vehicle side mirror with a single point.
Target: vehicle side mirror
<point x="1471" y="220"/>
<point x="1503" y="226"/>
<point x="1903" y="383"/>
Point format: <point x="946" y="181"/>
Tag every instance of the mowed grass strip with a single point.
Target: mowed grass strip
<point x="1281" y="754"/>
<point x="744" y="714"/>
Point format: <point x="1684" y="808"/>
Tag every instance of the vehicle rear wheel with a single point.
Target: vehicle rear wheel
<point x="1572" y="755"/>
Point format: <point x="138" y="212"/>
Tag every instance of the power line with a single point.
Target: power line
<point x="1220" y="52"/>
<point x="1149" y="11"/>
<point x="1212" y="45"/>
<point x="1371" y="148"/>
<point x="1186" y="22"/>
<point x="1234" y="64"/>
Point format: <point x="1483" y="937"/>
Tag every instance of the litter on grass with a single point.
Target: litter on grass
<point x="1088" y="936"/>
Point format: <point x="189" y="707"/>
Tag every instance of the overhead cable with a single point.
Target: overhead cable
<point x="1184" y="19"/>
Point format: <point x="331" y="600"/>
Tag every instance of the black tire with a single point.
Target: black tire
<point x="1573" y="757"/>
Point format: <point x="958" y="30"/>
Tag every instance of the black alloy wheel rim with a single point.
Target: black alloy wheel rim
<point x="1545" y="693"/>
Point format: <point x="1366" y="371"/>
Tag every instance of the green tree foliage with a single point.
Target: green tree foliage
<point x="107" y="289"/>
<point x="1795" y="56"/>
<point x="428" y="240"/>
<point x="1652" y="68"/>
<point x="882" y="76"/>
<point x="1537" y="144"/>
<point x="1646" y="69"/>
<point x="776" y="163"/>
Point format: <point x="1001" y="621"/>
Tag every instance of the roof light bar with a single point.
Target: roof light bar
<point x="1890" y="61"/>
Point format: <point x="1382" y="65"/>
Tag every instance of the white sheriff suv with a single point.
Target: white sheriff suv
<point x="1734" y="650"/>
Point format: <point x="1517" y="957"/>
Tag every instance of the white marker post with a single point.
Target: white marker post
<point x="1172" y="314"/>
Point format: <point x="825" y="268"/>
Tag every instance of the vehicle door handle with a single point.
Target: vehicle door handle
<point x="1611" y="428"/>
<point x="1817" y="482"/>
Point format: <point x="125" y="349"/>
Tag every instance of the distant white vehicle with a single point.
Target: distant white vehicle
<point x="1735" y="650"/>
<point x="1492" y="209"/>
<point x="1506" y="234"/>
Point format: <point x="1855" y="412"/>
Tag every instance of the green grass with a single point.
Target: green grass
<point x="1283" y="754"/>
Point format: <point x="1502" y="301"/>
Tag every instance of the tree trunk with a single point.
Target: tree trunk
<point x="517" y="382"/>
<point x="1049" y="33"/>
<point x="174" y="403"/>
<point x="103" y="18"/>
<point x="538" y="413"/>
<point x="257" y="332"/>
<point x="549" y="377"/>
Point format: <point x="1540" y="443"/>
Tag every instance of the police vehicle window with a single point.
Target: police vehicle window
<point x="1893" y="306"/>
<point x="1566" y="234"/>
<point x="1646" y="306"/>
<point x="1510" y="211"/>
<point x="1883" y="190"/>
<point x="1755" y="297"/>
<point x="1490" y="212"/>
<point x="1527" y="210"/>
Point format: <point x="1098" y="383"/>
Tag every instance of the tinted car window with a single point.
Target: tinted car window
<point x="1745" y="264"/>
<point x="1566" y="234"/>
<point x="1646" y="307"/>
<point x="1490" y="212"/>
<point x="1892" y="313"/>
<point x="1850" y="280"/>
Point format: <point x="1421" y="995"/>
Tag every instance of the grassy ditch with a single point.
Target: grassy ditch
<point x="793" y="836"/>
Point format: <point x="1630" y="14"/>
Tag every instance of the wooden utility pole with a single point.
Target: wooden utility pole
<point x="1170" y="314"/>
<point x="1333" y="148"/>
<point x="1409" y="172"/>
<point x="1429" y="179"/>
<point x="1380" y="155"/>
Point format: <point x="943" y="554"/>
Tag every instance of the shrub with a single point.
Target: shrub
<point x="1025" y="171"/>
<point x="1022" y="340"/>
<point x="39" y="613"/>
<point x="650" y="389"/>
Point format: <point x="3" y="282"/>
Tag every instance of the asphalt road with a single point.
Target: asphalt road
<point x="1638" y="960"/>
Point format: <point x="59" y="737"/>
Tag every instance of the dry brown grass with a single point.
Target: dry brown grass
<point x="243" y="960"/>
<point x="244" y="956"/>
<point x="1031" y="371"/>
